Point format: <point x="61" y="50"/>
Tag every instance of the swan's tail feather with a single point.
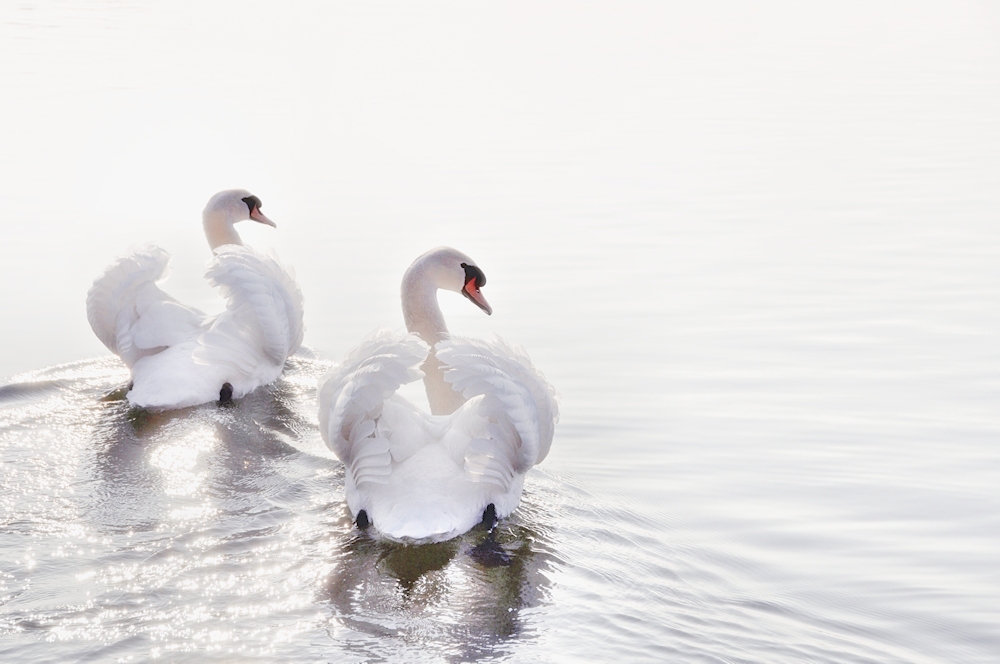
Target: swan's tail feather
<point x="373" y="464"/>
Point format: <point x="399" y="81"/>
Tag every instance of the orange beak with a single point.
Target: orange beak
<point x="472" y="292"/>
<point x="257" y="215"/>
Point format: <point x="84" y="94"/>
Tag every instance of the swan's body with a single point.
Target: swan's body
<point x="178" y="356"/>
<point x="418" y="476"/>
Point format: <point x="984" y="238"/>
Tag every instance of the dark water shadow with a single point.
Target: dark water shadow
<point x="459" y="600"/>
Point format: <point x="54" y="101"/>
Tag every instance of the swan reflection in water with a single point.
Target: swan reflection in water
<point x="460" y="600"/>
<point x="213" y="512"/>
<point x="151" y="468"/>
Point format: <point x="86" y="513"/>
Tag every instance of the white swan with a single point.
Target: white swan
<point x="177" y="355"/>
<point x="431" y="477"/>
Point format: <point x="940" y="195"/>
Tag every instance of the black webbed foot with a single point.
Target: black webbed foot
<point x="489" y="517"/>
<point x="226" y="393"/>
<point x="362" y="520"/>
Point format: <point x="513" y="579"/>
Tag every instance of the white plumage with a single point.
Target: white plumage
<point x="429" y="477"/>
<point x="177" y="355"/>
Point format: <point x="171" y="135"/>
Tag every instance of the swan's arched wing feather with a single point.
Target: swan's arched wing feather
<point x="352" y="396"/>
<point x="519" y="403"/>
<point x="131" y="315"/>
<point x="263" y="312"/>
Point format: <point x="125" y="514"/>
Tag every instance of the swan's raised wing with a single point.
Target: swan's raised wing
<point x="263" y="317"/>
<point x="131" y="315"/>
<point x="352" y="396"/>
<point x="517" y="401"/>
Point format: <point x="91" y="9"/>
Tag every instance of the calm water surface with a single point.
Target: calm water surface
<point x="756" y="251"/>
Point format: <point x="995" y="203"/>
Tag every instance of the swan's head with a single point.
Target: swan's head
<point x="452" y="270"/>
<point x="235" y="205"/>
<point x="225" y="209"/>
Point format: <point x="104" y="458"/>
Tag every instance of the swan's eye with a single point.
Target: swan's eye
<point x="473" y="272"/>
<point x="252" y="202"/>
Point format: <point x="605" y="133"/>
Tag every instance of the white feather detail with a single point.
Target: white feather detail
<point x="263" y="318"/>
<point x="131" y="315"/>
<point x="177" y="355"/>
<point x="515" y="394"/>
<point x="429" y="477"/>
<point x="351" y="396"/>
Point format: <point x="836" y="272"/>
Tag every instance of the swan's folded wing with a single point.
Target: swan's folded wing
<point x="517" y="400"/>
<point x="263" y="311"/>
<point x="131" y="315"/>
<point x="352" y="396"/>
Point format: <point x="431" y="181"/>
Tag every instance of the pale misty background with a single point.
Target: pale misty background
<point x="755" y="248"/>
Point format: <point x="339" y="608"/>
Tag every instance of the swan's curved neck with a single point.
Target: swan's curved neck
<point x="423" y="316"/>
<point x="421" y="311"/>
<point x="219" y="229"/>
